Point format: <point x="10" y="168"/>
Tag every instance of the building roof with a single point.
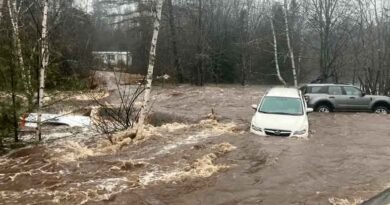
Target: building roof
<point x="283" y="92"/>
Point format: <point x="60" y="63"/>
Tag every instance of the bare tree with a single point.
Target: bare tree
<point x="109" y="119"/>
<point x="290" y="49"/>
<point x="372" y="35"/>
<point x="177" y="64"/>
<point x="200" y="47"/>
<point x="244" y="36"/>
<point x="328" y="19"/>
<point x="1" y="9"/>
<point x="276" y="53"/>
<point x="149" y="76"/>
<point x="15" y="12"/>
<point x="44" y="64"/>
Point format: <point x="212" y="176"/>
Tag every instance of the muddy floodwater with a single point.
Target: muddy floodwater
<point x="188" y="157"/>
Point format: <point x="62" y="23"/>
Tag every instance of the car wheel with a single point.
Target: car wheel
<point x="323" y="108"/>
<point x="381" y="110"/>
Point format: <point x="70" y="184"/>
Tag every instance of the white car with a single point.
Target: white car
<point x="281" y="112"/>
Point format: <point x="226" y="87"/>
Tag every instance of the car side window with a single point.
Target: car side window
<point x="352" y="91"/>
<point x="318" y="89"/>
<point x="335" y="90"/>
<point x="315" y="89"/>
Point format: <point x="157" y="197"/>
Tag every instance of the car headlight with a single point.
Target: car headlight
<point x="256" y="128"/>
<point x="300" y="132"/>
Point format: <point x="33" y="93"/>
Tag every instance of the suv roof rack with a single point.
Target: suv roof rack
<point x="327" y="84"/>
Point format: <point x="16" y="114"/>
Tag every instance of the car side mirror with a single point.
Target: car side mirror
<point x="363" y="94"/>
<point x="254" y="106"/>
<point x="309" y="110"/>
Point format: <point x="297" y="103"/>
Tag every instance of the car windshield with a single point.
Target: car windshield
<point x="281" y="106"/>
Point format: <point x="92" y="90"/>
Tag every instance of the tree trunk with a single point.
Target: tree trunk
<point x="290" y="49"/>
<point x="199" y="69"/>
<point x="178" y="68"/>
<point x="14" y="114"/>
<point x="45" y="62"/>
<point x="243" y="69"/>
<point x="1" y="9"/>
<point x="149" y="76"/>
<point x="244" y="36"/>
<point x="14" y="13"/>
<point x="276" y="54"/>
<point x="300" y="52"/>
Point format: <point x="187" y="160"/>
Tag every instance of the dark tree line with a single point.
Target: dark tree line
<point x="217" y="41"/>
<point x="70" y="40"/>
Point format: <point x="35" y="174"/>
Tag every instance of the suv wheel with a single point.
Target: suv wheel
<point x="381" y="110"/>
<point x="323" y="108"/>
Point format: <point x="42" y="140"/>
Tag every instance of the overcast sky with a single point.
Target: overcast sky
<point x="85" y="5"/>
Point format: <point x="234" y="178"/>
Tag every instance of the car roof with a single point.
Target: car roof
<point x="328" y="84"/>
<point x="283" y="92"/>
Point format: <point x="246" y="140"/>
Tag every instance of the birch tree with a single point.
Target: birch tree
<point x="44" y="64"/>
<point x="1" y="9"/>
<point x="290" y="49"/>
<point x="149" y="75"/>
<point x="15" y="11"/>
<point x="276" y="53"/>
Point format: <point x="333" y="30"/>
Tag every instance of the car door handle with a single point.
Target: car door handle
<point x="352" y="98"/>
<point x="332" y="97"/>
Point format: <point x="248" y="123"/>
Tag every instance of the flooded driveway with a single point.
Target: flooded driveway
<point x="203" y="161"/>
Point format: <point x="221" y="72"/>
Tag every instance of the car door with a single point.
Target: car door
<point x="337" y="97"/>
<point x="355" y="98"/>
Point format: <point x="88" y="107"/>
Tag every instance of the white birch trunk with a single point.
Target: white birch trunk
<point x="276" y="54"/>
<point x="149" y="76"/>
<point x="1" y="9"/>
<point x="299" y="68"/>
<point x="290" y="49"/>
<point x="14" y="13"/>
<point x="45" y="62"/>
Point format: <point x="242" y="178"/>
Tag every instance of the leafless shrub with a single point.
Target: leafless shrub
<point x="110" y="118"/>
<point x="375" y="82"/>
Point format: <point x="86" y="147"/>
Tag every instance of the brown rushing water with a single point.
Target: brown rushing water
<point x="347" y="156"/>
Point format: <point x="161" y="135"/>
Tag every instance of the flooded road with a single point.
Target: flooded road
<point x="187" y="158"/>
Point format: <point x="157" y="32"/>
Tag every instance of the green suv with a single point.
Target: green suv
<point x="340" y="97"/>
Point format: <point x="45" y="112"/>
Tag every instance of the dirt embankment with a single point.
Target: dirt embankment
<point x="345" y="160"/>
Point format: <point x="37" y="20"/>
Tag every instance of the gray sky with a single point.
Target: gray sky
<point x="85" y="5"/>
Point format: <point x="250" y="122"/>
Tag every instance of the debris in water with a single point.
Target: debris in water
<point x="72" y="151"/>
<point x="223" y="148"/>
<point x="338" y="201"/>
<point x="212" y="115"/>
<point x="175" y="126"/>
<point x="217" y="127"/>
<point x="201" y="168"/>
<point x="204" y="167"/>
<point x="129" y="165"/>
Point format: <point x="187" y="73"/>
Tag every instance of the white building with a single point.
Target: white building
<point x="113" y="57"/>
